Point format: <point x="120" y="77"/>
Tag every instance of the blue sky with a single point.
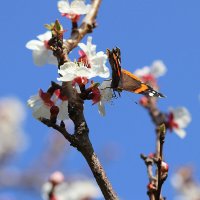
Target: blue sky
<point x="144" y="30"/>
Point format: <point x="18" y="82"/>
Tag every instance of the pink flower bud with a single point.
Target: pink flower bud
<point x="56" y="178"/>
<point x="164" y="167"/>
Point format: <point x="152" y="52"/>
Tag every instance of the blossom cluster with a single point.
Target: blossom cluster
<point x="89" y="65"/>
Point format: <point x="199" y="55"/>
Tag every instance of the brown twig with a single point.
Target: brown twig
<point x="161" y="175"/>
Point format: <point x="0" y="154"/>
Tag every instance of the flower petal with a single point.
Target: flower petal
<point x="158" y="68"/>
<point x="106" y="91"/>
<point x="180" y="132"/>
<point x="71" y="70"/>
<point x="43" y="111"/>
<point x="35" y="45"/>
<point x="52" y="59"/>
<point x="79" y="7"/>
<point x="142" y="72"/>
<point x="63" y="6"/>
<point x="45" y="36"/>
<point x="101" y="108"/>
<point x="40" y="57"/>
<point x="181" y="116"/>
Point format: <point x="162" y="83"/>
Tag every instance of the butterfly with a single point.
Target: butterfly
<point x="125" y="80"/>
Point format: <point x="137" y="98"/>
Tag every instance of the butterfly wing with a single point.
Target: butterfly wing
<point x="114" y="58"/>
<point x="132" y="83"/>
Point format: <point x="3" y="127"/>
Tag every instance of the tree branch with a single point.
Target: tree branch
<point x="80" y="138"/>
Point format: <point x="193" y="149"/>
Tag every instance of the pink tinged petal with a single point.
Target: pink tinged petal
<point x="46" y="98"/>
<point x="89" y="48"/>
<point x="158" y="68"/>
<point x="180" y="132"/>
<point x="84" y="48"/>
<point x="101" y="108"/>
<point x="181" y="116"/>
<point x="35" y="45"/>
<point x="45" y="37"/>
<point x="83" y="58"/>
<point x="63" y="6"/>
<point x="73" y="17"/>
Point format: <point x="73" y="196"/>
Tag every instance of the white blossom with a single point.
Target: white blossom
<point x="156" y="69"/>
<point x="41" y="108"/>
<point x="41" y="54"/>
<point x="12" y="137"/>
<point x="74" y="190"/>
<point x="77" y="7"/>
<point x="96" y="60"/>
<point x="106" y="96"/>
<point x="71" y="70"/>
<point x="181" y="117"/>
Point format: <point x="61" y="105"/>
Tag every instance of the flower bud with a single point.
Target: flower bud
<point x="164" y="167"/>
<point x="56" y="178"/>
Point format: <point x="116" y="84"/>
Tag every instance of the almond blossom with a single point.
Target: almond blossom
<point x="71" y="70"/>
<point x="90" y="65"/>
<point x="93" y="59"/>
<point x="73" y="10"/>
<point x="151" y="73"/>
<point x="178" y="119"/>
<point x="43" y="102"/>
<point x="156" y="69"/>
<point x="41" y="52"/>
